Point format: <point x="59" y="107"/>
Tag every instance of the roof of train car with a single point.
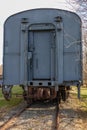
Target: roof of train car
<point x="67" y="11"/>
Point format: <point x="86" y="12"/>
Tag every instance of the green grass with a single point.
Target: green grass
<point x="17" y="100"/>
<point x="84" y="93"/>
<point x="83" y="99"/>
<point x="14" y="100"/>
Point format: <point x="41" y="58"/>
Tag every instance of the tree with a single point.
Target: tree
<point x="80" y="6"/>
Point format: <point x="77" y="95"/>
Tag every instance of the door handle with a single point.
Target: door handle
<point x="29" y="55"/>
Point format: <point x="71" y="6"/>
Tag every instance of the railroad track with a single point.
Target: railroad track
<point x="10" y="122"/>
<point x="38" y="116"/>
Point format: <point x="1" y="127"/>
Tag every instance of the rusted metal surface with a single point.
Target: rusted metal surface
<point x="41" y="93"/>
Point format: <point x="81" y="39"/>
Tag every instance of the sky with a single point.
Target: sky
<point x="9" y="7"/>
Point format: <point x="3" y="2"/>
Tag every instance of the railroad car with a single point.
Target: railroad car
<point x="42" y="53"/>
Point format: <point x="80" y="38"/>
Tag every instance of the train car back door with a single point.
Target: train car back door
<point x="41" y="54"/>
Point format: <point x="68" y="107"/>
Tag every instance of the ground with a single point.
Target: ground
<point x="72" y="115"/>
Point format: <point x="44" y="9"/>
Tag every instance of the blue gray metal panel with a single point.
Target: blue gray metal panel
<point x="41" y="55"/>
<point x="68" y="42"/>
<point x="23" y="54"/>
<point x="59" y="53"/>
<point x="41" y="40"/>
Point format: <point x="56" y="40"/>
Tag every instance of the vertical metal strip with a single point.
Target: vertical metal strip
<point x="59" y="53"/>
<point x="52" y="54"/>
<point x="23" y="54"/>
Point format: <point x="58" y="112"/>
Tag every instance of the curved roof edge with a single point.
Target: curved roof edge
<point x="43" y="9"/>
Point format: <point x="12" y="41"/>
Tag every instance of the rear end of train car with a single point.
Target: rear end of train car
<point x="42" y="53"/>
